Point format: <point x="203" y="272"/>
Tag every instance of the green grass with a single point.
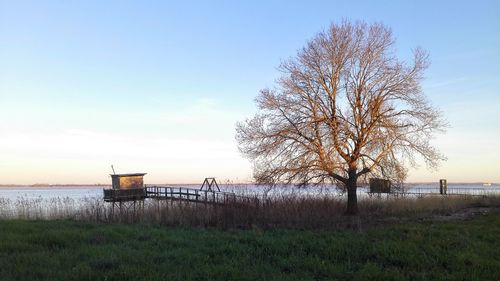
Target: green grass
<point x="67" y="250"/>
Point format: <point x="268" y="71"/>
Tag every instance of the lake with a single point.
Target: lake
<point x="76" y="192"/>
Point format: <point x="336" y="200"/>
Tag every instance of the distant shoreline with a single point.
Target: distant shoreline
<point x="99" y="186"/>
<point x="52" y="186"/>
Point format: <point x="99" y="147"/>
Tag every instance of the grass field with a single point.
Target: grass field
<point x="68" y="250"/>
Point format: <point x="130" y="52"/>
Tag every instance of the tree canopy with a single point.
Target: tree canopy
<point x="344" y="107"/>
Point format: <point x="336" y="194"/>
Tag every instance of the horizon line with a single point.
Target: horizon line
<point x="220" y="183"/>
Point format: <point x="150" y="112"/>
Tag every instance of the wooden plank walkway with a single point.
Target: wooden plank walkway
<point x="175" y="194"/>
<point x="188" y="194"/>
<point x="193" y="195"/>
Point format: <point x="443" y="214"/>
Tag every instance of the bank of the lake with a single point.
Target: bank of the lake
<point x="68" y="250"/>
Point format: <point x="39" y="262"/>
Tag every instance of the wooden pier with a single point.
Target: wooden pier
<point x="129" y="188"/>
<point x="190" y="195"/>
<point x="175" y="194"/>
<point x="133" y="198"/>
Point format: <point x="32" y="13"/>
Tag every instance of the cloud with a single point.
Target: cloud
<point x="78" y="155"/>
<point x="92" y="144"/>
<point x="445" y="83"/>
<point x="197" y="138"/>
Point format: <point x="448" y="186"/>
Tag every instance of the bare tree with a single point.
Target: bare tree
<point x="344" y="108"/>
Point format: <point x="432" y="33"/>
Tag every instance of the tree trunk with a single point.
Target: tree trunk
<point x="352" y="198"/>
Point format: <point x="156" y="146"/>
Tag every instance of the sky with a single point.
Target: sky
<point x="158" y="86"/>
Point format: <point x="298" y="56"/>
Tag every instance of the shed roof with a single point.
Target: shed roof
<point x="127" y="175"/>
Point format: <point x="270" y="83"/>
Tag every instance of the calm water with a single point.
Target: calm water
<point x="81" y="192"/>
<point x="73" y="192"/>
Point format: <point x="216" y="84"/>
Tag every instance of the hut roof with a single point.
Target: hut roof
<point x="127" y="175"/>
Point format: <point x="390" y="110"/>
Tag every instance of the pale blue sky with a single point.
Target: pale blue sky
<point x="157" y="86"/>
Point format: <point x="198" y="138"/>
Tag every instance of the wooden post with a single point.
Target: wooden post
<point x="171" y="196"/>
<point x="443" y="187"/>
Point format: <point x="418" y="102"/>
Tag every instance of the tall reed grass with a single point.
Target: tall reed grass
<point x="278" y="211"/>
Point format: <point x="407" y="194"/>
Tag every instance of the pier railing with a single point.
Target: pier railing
<point x="194" y="195"/>
<point x="458" y="191"/>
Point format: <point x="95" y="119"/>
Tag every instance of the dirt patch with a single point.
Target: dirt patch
<point x="466" y="213"/>
<point x="461" y="214"/>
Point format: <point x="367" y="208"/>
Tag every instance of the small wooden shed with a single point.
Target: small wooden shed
<point x="380" y="185"/>
<point x="128" y="181"/>
<point x="126" y="187"/>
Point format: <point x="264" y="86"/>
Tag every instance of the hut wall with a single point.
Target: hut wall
<point x="115" y="181"/>
<point x="380" y="185"/>
<point x="131" y="182"/>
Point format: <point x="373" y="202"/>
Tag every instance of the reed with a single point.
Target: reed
<point x="284" y="210"/>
